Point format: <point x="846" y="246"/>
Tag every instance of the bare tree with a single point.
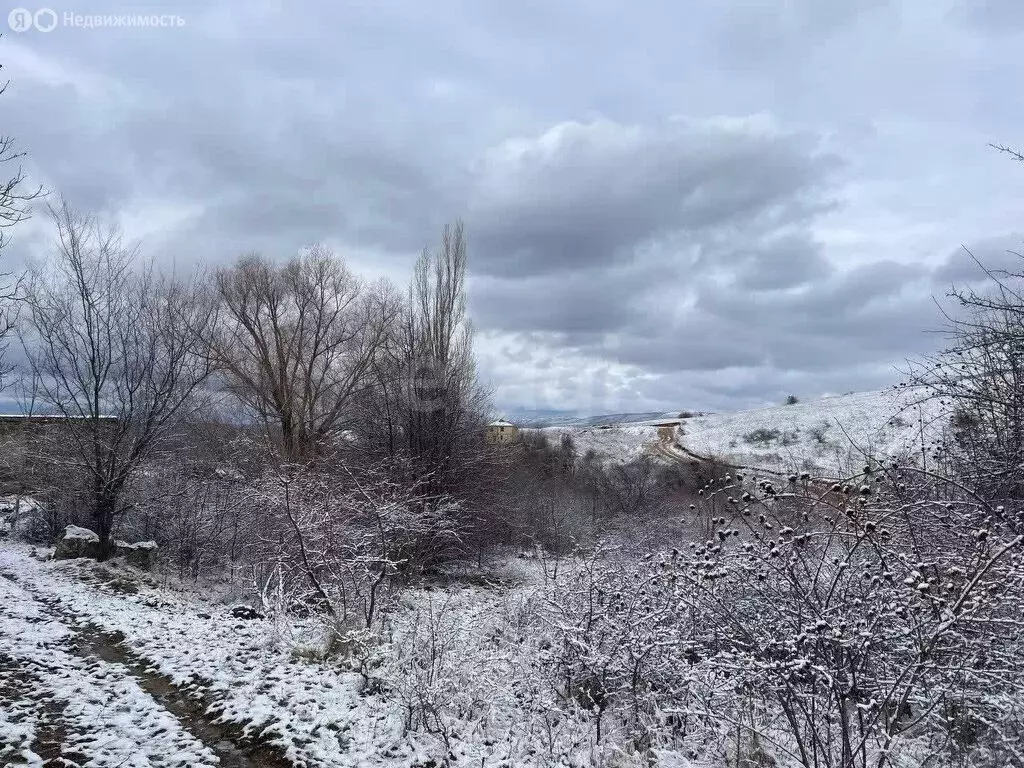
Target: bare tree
<point x="443" y="403"/>
<point x="11" y="294"/>
<point x="15" y="198"/>
<point x="980" y="377"/>
<point x="296" y="343"/>
<point x="112" y="351"/>
<point x="15" y="195"/>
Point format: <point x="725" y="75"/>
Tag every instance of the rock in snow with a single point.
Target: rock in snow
<point x="77" y="542"/>
<point x="141" y="554"/>
<point x="81" y="542"/>
<point x="245" y="612"/>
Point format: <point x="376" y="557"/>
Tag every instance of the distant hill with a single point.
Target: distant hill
<point x="828" y="436"/>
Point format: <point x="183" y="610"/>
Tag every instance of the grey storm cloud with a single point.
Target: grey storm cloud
<point x="996" y="15"/>
<point x="669" y="205"/>
<point x="968" y="264"/>
<point x="584" y="195"/>
<point x="600" y="214"/>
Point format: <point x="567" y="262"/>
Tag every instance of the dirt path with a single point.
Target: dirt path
<point x="190" y="712"/>
<point x="667" y="446"/>
<point x="51" y="717"/>
<point x="20" y="698"/>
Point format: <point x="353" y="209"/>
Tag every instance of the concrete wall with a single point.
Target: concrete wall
<point x="501" y="434"/>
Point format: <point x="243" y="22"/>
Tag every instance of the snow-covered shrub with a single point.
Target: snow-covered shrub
<point x="858" y="623"/>
<point x="979" y="380"/>
<point x="202" y="518"/>
<point x="853" y="624"/>
<point x="618" y="654"/>
<point x="454" y="665"/>
<point x="425" y="673"/>
<point x="819" y="433"/>
<point x="343" y="543"/>
<point x="22" y="517"/>
<point x="762" y="435"/>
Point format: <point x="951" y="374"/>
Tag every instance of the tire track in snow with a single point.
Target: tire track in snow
<point x="100" y="687"/>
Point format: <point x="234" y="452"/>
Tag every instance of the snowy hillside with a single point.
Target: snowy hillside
<point x="828" y="436"/>
<point x="617" y="444"/>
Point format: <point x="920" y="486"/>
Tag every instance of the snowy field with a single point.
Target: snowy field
<point x="829" y="436"/>
<point x="452" y="680"/>
<point x="618" y="444"/>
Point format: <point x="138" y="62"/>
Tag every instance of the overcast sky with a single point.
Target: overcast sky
<point x="669" y="205"/>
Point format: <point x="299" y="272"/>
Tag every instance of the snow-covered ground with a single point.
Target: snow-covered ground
<point x="622" y="443"/>
<point x="313" y="712"/>
<point x="451" y="678"/>
<point x="105" y="717"/>
<point x="828" y="436"/>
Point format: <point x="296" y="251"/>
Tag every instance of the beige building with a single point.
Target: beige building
<point x="501" y="431"/>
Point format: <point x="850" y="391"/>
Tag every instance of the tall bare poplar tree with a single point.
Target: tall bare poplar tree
<point x="443" y="402"/>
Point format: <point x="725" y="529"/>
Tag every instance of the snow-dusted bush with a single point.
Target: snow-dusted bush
<point x="871" y="621"/>
<point x="978" y="380"/>
<point x="620" y="654"/>
<point x="762" y="435"/>
<point x="22" y="517"/>
<point x="341" y="543"/>
<point x="204" y="521"/>
<point x="435" y="670"/>
<point x="470" y="668"/>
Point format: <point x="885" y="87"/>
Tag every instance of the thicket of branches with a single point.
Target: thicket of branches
<point x="980" y="377"/>
<point x="873" y="622"/>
